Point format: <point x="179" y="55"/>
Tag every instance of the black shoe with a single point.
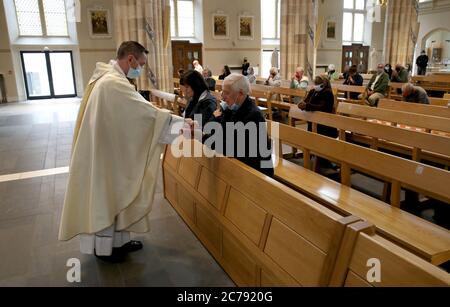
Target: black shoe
<point x="117" y="256"/>
<point x="132" y="246"/>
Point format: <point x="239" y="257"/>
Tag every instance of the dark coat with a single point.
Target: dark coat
<point x="205" y="107"/>
<point x="247" y="113"/>
<point x="358" y="80"/>
<point x="322" y="101"/>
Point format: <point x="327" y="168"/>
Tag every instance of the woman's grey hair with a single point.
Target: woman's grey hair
<point x="238" y="83"/>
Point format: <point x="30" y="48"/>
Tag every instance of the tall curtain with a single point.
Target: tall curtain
<point x="298" y="27"/>
<point x="401" y="31"/>
<point x="147" y="22"/>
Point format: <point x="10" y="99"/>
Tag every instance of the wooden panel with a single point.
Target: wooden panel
<point x="354" y="280"/>
<point x="398" y="267"/>
<point x="238" y="261"/>
<point x="294" y="254"/>
<point x="209" y="227"/>
<point x="189" y="170"/>
<point x="246" y="215"/>
<point x="270" y="280"/>
<point x="212" y="188"/>
<point x="170" y="188"/>
<point x="315" y="222"/>
<point x="186" y="202"/>
<point x="170" y="160"/>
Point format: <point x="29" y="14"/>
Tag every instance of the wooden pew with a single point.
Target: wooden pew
<point x="428" y="241"/>
<point x="438" y="102"/>
<point x="396" y="117"/>
<point x="397" y="267"/>
<point x="433" y="82"/>
<point x="420" y="146"/>
<point x="347" y="89"/>
<point x="165" y="100"/>
<point x="447" y="96"/>
<point x="260" y="231"/>
<point x="394" y="88"/>
<point x="417" y="108"/>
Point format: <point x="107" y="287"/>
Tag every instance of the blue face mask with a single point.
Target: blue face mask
<point x="134" y="73"/>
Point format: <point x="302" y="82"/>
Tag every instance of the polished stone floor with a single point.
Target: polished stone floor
<point x="37" y="135"/>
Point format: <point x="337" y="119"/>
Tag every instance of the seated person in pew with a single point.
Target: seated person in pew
<point x="251" y="75"/>
<point x="414" y="94"/>
<point x="377" y="87"/>
<point x="354" y="78"/>
<point x="238" y="107"/>
<point x="400" y="74"/>
<point x="225" y="72"/>
<point x="299" y="80"/>
<point x="207" y="74"/>
<point x="199" y="99"/>
<point x="320" y="99"/>
<point x="333" y="75"/>
<point x="274" y="78"/>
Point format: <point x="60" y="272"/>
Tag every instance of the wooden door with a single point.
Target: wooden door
<point x="183" y="54"/>
<point x="356" y="54"/>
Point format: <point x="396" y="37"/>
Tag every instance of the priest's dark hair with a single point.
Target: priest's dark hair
<point x="131" y="47"/>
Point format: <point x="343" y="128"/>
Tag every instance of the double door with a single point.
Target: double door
<point x="356" y="54"/>
<point x="183" y="54"/>
<point x="48" y="74"/>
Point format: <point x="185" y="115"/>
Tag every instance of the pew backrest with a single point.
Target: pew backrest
<point x="397" y="117"/>
<point x="417" y="108"/>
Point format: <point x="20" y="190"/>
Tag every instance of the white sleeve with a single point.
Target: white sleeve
<point x="171" y="130"/>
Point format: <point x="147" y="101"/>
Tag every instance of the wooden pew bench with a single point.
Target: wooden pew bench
<point x="397" y="267"/>
<point x="260" y="231"/>
<point x="447" y="96"/>
<point x="428" y="241"/>
<point x="417" y="108"/>
<point x="418" y="145"/>
<point x="429" y="123"/>
<point x="438" y="102"/>
<point x="347" y="89"/>
<point x="440" y="83"/>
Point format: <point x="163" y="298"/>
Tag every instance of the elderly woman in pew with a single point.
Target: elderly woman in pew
<point x="414" y="94"/>
<point x="320" y="99"/>
<point x="199" y="99"/>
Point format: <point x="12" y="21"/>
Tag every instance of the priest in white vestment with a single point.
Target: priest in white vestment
<point x="118" y="141"/>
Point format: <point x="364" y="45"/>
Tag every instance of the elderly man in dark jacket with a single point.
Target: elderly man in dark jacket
<point x="238" y="109"/>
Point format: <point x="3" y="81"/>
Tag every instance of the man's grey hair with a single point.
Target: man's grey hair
<point x="407" y="87"/>
<point x="238" y="83"/>
<point x="208" y="72"/>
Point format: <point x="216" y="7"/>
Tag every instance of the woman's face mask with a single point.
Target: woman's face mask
<point x="318" y="88"/>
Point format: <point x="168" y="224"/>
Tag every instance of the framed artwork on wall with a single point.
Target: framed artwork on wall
<point x="331" y="29"/>
<point x="246" y="27"/>
<point x="220" y="26"/>
<point x="99" y="23"/>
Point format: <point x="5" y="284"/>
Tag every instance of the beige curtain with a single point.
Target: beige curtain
<point x="401" y="31"/>
<point x="298" y="27"/>
<point x="133" y="20"/>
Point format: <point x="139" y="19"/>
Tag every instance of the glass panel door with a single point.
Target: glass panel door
<point x="36" y="75"/>
<point x="62" y="73"/>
